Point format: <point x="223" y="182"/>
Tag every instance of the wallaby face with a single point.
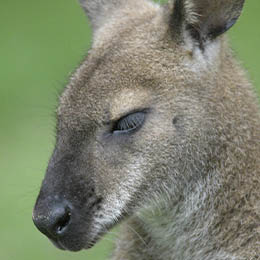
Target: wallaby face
<point x="143" y="117"/>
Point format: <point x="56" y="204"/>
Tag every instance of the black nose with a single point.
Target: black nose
<point x="54" y="221"/>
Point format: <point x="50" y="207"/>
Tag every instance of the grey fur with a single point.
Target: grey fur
<point x="99" y="11"/>
<point x="186" y="185"/>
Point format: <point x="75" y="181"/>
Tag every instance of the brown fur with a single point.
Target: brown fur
<point x="199" y="150"/>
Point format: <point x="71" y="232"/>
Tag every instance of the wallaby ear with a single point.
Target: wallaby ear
<point x="205" y="20"/>
<point x="99" y="10"/>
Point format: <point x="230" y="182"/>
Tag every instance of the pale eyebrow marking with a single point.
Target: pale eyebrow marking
<point x="128" y="100"/>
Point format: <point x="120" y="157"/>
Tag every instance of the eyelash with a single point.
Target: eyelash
<point x="129" y="123"/>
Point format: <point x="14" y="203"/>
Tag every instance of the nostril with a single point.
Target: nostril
<point x="63" y="222"/>
<point x="53" y="222"/>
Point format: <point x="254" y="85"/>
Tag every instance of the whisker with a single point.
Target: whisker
<point x="138" y="235"/>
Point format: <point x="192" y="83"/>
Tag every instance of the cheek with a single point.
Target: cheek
<point x="120" y="187"/>
<point x="122" y="163"/>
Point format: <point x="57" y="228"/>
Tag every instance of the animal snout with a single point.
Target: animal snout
<point x="54" y="220"/>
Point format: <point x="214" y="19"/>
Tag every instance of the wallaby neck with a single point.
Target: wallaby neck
<point x="193" y="228"/>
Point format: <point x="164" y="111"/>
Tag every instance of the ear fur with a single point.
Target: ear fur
<point x="99" y="10"/>
<point x="205" y="20"/>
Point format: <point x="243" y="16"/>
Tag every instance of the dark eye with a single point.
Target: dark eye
<point x="129" y="123"/>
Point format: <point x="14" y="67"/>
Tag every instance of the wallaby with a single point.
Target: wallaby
<point x="159" y="130"/>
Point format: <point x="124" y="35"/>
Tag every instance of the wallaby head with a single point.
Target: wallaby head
<point x="158" y="108"/>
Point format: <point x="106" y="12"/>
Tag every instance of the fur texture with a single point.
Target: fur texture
<point x="186" y="184"/>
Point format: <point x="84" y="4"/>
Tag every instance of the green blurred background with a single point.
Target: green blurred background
<point x="41" y="42"/>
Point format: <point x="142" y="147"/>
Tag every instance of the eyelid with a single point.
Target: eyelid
<point x="142" y="110"/>
<point x="117" y="122"/>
